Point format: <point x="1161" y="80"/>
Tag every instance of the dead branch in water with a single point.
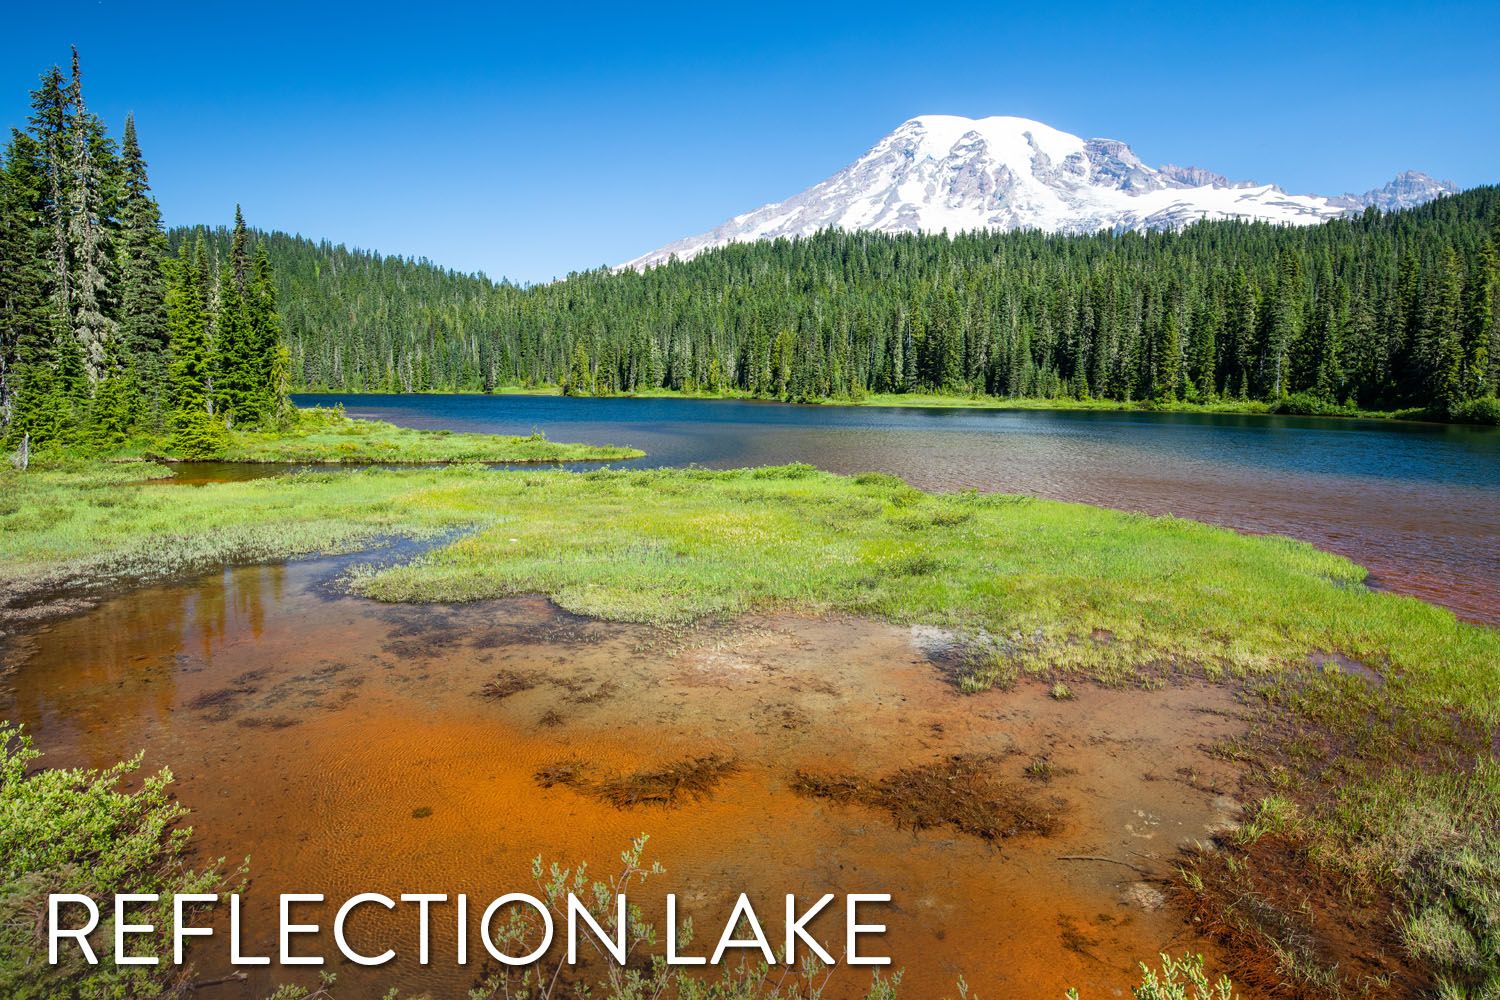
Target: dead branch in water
<point x="1107" y="861"/>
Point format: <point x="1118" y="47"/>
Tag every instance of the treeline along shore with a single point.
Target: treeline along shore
<point x="1386" y="312"/>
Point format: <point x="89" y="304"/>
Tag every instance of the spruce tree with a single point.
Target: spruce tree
<point x="239" y="252"/>
<point x="25" y="315"/>
<point x="234" y="359"/>
<point x="1480" y="333"/>
<point x="1445" y="354"/>
<point x="1167" y="360"/>
<point x="189" y="380"/>
<point x="142" y="249"/>
<point x="50" y="127"/>
<point x="580" y="378"/>
<point x="269" y="367"/>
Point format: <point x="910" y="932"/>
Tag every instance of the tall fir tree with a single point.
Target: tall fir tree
<point x="89" y="291"/>
<point x="26" y="320"/>
<point x="1481" y="338"/>
<point x="234" y="362"/>
<point x="189" y="378"/>
<point x="239" y="253"/>
<point x="142" y="249"/>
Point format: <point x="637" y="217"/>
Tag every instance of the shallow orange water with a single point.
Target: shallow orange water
<point x="306" y="729"/>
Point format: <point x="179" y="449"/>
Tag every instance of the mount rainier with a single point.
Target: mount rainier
<point x="942" y="172"/>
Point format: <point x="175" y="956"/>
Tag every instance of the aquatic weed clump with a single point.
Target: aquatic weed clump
<point x="668" y="785"/>
<point x="961" y="792"/>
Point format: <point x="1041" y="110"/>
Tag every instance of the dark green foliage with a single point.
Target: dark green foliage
<point x="1370" y="312"/>
<point x="141" y="248"/>
<point x="233" y="366"/>
<point x="189" y="383"/>
<point x="102" y="335"/>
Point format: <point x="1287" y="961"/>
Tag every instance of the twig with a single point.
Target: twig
<point x="1108" y="861"/>
<point x="233" y="977"/>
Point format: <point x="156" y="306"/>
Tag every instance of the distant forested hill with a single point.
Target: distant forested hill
<point x="1382" y="311"/>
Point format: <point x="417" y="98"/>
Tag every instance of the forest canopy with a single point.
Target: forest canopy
<point x="1381" y="311"/>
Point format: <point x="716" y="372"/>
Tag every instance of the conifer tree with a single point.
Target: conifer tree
<point x="1445" y="360"/>
<point x="25" y="316"/>
<point x="89" y="289"/>
<point x="1167" y="360"/>
<point x="234" y="362"/>
<point x="269" y="398"/>
<point x="50" y="126"/>
<point x="239" y="252"/>
<point x="1481" y="352"/>
<point x="189" y="381"/>
<point x="142" y="249"/>
<point x="580" y="378"/>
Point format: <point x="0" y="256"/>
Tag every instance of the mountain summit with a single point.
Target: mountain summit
<point x="942" y="172"/>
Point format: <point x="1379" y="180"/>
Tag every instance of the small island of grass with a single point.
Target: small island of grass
<point x="319" y="435"/>
<point x="326" y="436"/>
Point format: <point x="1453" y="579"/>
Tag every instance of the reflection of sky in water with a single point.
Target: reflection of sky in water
<point x="715" y="432"/>
<point x="1419" y="504"/>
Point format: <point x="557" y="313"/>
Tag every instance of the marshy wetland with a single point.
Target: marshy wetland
<point x="1063" y="738"/>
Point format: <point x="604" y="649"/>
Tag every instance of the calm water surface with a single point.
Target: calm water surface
<point x="1418" y="504"/>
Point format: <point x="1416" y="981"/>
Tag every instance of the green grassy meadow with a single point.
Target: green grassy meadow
<point x="1380" y="773"/>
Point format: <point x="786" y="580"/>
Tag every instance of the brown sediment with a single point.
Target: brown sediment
<point x="961" y="791"/>
<point x="393" y="727"/>
<point x="671" y="784"/>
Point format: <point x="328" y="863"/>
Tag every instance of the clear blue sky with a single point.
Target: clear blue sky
<point x="530" y="141"/>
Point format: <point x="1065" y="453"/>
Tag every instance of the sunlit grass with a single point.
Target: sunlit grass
<point x="320" y="435"/>
<point x="1403" y="794"/>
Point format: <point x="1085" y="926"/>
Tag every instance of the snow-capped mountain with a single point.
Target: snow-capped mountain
<point x="942" y="172"/>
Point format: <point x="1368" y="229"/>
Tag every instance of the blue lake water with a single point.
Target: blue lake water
<point x="1419" y="504"/>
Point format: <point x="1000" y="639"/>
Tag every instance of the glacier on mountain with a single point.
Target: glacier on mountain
<point x="945" y="172"/>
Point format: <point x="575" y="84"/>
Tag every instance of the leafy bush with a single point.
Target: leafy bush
<point x="70" y="830"/>
<point x="1305" y="404"/>
<point x="1178" y="979"/>
<point x="1484" y="410"/>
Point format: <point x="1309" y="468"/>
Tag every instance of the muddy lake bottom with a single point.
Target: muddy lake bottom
<point x="348" y="746"/>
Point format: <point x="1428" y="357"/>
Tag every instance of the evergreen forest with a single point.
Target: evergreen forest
<point x="105" y="334"/>
<point x="1386" y="311"/>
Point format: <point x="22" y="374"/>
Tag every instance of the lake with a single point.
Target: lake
<point x="1417" y="504"/>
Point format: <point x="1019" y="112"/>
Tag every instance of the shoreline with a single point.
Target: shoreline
<point x="938" y="401"/>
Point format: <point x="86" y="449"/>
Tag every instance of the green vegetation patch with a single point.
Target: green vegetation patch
<point x="324" y="435"/>
<point x="1380" y="710"/>
<point x="321" y="434"/>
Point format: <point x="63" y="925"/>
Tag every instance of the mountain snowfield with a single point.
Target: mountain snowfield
<point x="945" y="172"/>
